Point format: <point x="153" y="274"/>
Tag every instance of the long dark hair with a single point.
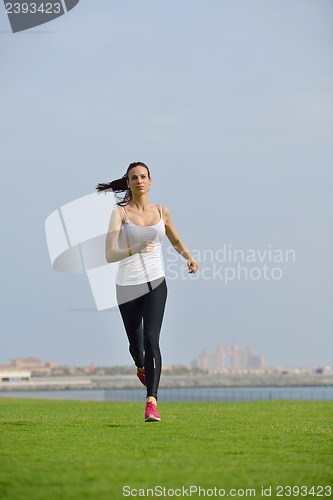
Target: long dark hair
<point x="120" y="185"/>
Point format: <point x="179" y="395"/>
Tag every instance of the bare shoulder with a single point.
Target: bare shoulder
<point x="165" y="210"/>
<point x="166" y="214"/>
<point x="119" y="214"/>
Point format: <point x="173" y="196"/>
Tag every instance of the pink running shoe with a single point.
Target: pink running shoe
<point x="151" y="414"/>
<point x="142" y="377"/>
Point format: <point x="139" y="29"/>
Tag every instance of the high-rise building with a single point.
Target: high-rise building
<point x="233" y="358"/>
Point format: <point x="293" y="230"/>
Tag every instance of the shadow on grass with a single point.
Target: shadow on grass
<point x="18" y="423"/>
<point x="117" y="425"/>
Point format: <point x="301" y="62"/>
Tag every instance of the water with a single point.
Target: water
<point x="227" y="394"/>
<point x="199" y="394"/>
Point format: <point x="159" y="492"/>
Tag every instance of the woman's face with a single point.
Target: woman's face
<point x="138" y="180"/>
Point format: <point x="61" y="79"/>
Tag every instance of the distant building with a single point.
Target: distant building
<point x="33" y="365"/>
<point x="14" y="376"/>
<point x="225" y="359"/>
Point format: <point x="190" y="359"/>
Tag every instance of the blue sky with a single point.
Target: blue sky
<point x="230" y="104"/>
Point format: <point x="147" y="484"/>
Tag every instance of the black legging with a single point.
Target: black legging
<point x="142" y="309"/>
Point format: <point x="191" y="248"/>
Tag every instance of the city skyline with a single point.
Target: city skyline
<point x="229" y="358"/>
<point x="221" y="360"/>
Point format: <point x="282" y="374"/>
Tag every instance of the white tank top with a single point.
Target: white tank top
<point x="140" y="267"/>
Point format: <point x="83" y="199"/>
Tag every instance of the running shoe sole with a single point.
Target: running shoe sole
<point x="152" y="418"/>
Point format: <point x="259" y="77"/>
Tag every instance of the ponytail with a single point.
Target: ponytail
<point x="120" y="185"/>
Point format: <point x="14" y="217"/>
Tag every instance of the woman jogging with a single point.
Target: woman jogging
<point x="134" y="238"/>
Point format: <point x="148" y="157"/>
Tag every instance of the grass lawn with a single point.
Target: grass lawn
<point x="91" y="450"/>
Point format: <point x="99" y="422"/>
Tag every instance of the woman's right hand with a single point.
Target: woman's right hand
<point x="144" y="246"/>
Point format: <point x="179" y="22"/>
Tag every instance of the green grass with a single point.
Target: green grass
<point x="90" y="450"/>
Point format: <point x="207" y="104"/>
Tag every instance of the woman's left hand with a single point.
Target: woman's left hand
<point x="192" y="266"/>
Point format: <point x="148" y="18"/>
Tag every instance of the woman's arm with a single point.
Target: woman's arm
<point x="176" y="242"/>
<point x="112" y="252"/>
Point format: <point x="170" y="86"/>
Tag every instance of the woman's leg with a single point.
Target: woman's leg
<point x="131" y="313"/>
<point x="153" y="311"/>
